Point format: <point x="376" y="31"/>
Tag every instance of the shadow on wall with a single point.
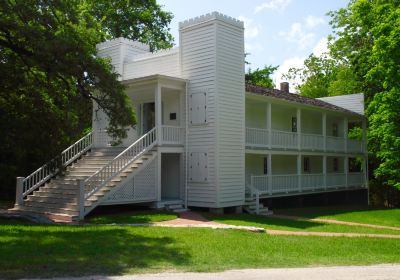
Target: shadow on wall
<point x="48" y="251"/>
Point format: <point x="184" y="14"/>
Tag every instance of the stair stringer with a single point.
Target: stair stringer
<point x="130" y="176"/>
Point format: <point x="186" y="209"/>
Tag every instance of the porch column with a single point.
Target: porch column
<point x="269" y="114"/>
<point x="324" y="170"/>
<point x="324" y="129"/>
<point x="158" y="177"/>
<point x="298" y="116"/>
<point x="269" y="172"/>
<point x="364" y="135"/>
<point x="158" y="113"/>
<point x="299" y="172"/>
<point x="345" y="132"/>
<point x="346" y="169"/>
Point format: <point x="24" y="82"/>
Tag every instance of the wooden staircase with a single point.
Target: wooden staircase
<point x="58" y="198"/>
<point x="91" y="176"/>
<point x="250" y="206"/>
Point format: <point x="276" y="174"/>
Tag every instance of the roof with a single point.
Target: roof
<point x="291" y="97"/>
<point x="353" y="102"/>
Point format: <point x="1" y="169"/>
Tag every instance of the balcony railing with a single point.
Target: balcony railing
<point x="290" y="183"/>
<point x="174" y="135"/>
<point x="263" y="138"/>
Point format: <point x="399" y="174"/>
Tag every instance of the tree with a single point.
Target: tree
<point x="49" y="73"/>
<point x="367" y="36"/>
<point x="261" y="77"/>
<point x="324" y="76"/>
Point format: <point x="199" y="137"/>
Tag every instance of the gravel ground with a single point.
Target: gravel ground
<point x="375" y="272"/>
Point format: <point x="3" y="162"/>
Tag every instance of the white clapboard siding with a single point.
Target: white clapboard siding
<point x="352" y="102"/>
<point x="165" y="62"/>
<point x="231" y="114"/>
<point x="197" y="44"/>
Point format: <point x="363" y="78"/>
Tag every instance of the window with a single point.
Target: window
<point x="198" y="108"/>
<point x="172" y="116"/>
<point x="306" y="165"/>
<point x="335" y="165"/>
<point x="335" y="130"/>
<point x="265" y="166"/>
<point x="294" y="124"/>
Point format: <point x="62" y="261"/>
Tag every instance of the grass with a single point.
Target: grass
<point x="292" y="225"/>
<point x="28" y="250"/>
<point x="361" y="214"/>
<point x="132" y="218"/>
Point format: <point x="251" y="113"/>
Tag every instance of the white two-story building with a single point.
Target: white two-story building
<point x="203" y="138"/>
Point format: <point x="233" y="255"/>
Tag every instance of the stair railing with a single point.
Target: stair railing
<point x="27" y="185"/>
<point x="99" y="179"/>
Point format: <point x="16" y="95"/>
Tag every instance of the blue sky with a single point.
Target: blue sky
<point x="277" y="32"/>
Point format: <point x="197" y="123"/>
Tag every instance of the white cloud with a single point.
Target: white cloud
<point x="321" y="47"/>
<point x="251" y="29"/>
<point x="278" y="5"/>
<point x="297" y="35"/>
<point x="313" y="21"/>
<point x="288" y="63"/>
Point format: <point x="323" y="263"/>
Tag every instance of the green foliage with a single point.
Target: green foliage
<point x="261" y="77"/>
<point x="367" y="35"/>
<point x="324" y="76"/>
<point x="50" y="74"/>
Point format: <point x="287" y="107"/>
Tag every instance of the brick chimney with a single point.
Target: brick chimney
<point x="285" y="86"/>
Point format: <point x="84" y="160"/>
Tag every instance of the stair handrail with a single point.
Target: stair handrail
<point x="99" y="179"/>
<point x="48" y="170"/>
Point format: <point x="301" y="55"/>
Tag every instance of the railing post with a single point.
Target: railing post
<point x="269" y="124"/>
<point x="19" y="198"/>
<point x="81" y="199"/>
<point x="257" y="203"/>
<point x="299" y="172"/>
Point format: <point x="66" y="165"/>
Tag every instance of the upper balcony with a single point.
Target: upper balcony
<point x="288" y="126"/>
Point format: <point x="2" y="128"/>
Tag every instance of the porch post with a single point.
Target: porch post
<point x="299" y="172"/>
<point x="324" y="129"/>
<point x="324" y="170"/>
<point x="269" y="115"/>
<point x="19" y="199"/>
<point x="158" y="113"/>
<point x="345" y="132"/>
<point x="158" y="177"/>
<point x="346" y="169"/>
<point x="298" y="116"/>
<point x="269" y="172"/>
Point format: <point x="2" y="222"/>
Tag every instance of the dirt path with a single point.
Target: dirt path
<point x="330" y="221"/>
<point x="375" y="272"/>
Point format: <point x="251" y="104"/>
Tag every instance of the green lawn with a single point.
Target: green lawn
<point x="28" y="250"/>
<point x="132" y="218"/>
<point x="292" y="225"/>
<point x="385" y="217"/>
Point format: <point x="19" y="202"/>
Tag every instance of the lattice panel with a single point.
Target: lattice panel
<point x="142" y="187"/>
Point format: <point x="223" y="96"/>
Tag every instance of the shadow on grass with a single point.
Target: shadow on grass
<point x="46" y="251"/>
<point x="316" y="212"/>
<point x="262" y="221"/>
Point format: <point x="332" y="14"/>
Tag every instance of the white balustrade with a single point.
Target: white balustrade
<point x="120" y="163"/>
<point x="335" y="180"/>
<point x="355" y="179"/>
<point x="279" y="184"/>
<point x="260" y="183"/>
<point x="312" y="142"/>
<point x="284" y="139"/>
<point x="284" y="183"/>
<point x="354" y="146"/>
<point x="257" y="137"/>
<point x="173" y="135"/>
<point x="312" y="181"/>
<point x="47" y="171"/>
<point x="335" y="144"/>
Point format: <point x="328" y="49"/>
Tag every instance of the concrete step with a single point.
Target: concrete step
<point x="58" y="192"/>
<point x="52" y="199"/>
<point x="51" y="186"/>
<point x="42" y="208"/>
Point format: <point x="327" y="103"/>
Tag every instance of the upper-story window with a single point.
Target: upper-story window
<point x="294" y="124"/>
<point x="335" y="131"/>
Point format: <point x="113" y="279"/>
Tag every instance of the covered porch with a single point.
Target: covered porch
<point x="159" y="103"/>
<point x="289" y="174"/>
